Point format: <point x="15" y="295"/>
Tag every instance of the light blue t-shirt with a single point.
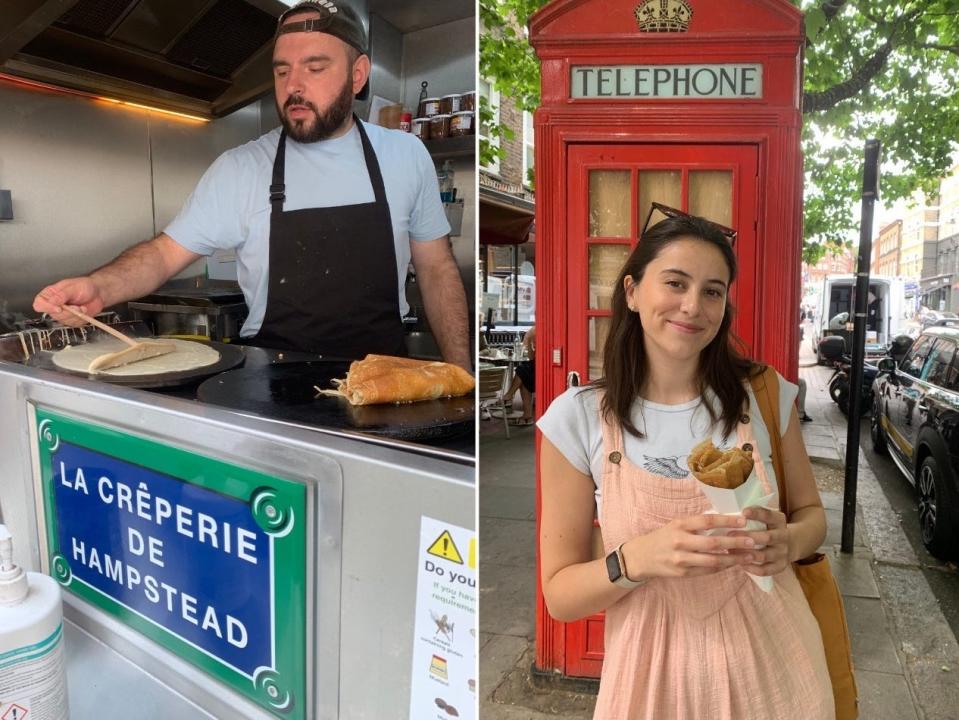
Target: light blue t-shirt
<point x="230" y="206"/>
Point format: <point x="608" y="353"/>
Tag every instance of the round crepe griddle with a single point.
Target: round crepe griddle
<point x="231" y="356"/>
<point x="286" y="392"/>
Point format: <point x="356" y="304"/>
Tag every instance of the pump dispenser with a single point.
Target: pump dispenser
<point x="32" y="673"/>
<point x="13" y="581"/>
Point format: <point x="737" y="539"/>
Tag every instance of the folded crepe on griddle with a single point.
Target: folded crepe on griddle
<point x="384" y="379"/>
<point x="375" y="365"/>
<point x="727" y="469"/>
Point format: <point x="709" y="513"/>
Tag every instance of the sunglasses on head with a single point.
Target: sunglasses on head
<point x="669" y="212"/>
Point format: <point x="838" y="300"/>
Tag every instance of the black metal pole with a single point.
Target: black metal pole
<point x="870" y="192"/>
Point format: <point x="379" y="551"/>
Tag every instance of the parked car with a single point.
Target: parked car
<point x="915" y="420"/>
<point x="935" y="317"/>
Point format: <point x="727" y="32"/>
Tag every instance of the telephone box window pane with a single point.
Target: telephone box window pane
<point x="605" y="262"/>
<point x="711" y="195"/>
<point x="598" y="330"/>
<point x="662" y="186"/>
<point x="609" y="203"/>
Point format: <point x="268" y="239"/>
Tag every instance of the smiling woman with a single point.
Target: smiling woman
<point x="672" y="307"/>
<point x="676" y="572"/>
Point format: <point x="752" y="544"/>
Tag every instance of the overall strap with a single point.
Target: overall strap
<point x="766" y="391"/>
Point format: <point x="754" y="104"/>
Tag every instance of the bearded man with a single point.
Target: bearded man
<point x="324" y="214"/>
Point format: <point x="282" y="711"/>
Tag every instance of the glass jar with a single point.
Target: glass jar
<point x="429" y="107"/>
<point x="421" y="128"/>
<point x="449" y="104"/>
<point x="468" y="101"/>
<point x="439" y="126"/>
<point x="461" y="123"/>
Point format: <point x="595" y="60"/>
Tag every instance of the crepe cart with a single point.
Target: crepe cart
<point x="219" y="563"/>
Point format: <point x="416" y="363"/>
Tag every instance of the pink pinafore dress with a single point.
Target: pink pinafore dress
<point x="714" y="647"/>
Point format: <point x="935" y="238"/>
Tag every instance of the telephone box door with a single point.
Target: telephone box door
<point x="611" y="189"/>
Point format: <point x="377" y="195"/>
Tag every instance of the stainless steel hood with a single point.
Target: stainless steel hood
<point x="203" y="57"/>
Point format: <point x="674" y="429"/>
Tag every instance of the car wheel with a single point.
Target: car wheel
<point x="876" y="433"/>
<point x="935" y="510"/>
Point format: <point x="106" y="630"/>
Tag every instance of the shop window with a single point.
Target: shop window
<point x="510" y="283"/>
<point x="528" y="144"/>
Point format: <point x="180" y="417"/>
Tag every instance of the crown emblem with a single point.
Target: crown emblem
<point x="664" y="16"/>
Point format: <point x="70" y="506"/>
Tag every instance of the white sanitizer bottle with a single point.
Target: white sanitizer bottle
<point x="33" y="683"/>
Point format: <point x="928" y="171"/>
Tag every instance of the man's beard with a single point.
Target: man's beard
<point x="324" y="124"/>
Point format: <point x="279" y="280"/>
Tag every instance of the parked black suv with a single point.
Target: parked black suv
<point x="915" y="419"/>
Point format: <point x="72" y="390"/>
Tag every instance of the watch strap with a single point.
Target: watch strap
<point x="619" y="577"/>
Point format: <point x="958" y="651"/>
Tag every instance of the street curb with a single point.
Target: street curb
<point x="836" y="464"/>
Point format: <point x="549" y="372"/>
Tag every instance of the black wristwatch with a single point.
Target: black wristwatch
<point x="616" y="568"/>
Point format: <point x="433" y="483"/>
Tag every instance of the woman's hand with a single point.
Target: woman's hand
<point x="774" y="557"/>
<point x="677" y="550"/>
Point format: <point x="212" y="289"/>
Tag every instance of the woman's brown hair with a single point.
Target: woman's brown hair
<point x="722" y="368"/>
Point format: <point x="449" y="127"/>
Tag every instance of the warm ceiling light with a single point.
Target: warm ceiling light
<point x="91" y="96"/>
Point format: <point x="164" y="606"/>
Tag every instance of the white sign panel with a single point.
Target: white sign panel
<point x="627" y="82"/>
<point x="444" y="681"/>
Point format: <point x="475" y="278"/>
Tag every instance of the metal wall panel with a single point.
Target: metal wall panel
<point x="387" y="57"/>
<point x="444" y="56"/>
<point x="80" y="175"/>
<point x="90" y="179"/>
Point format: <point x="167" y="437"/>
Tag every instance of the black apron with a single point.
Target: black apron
<point x="333" y="277"/>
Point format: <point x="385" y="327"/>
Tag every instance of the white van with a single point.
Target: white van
<point x="884" y="314"/>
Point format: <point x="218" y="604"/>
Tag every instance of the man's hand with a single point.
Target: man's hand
<point x="81" y="292"/>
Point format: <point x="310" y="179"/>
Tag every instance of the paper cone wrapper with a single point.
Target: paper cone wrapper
<point x="733" y="502"/>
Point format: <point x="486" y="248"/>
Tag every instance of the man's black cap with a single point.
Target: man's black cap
<point x="335" y="18"/>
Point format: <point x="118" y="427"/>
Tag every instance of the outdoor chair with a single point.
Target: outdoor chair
<point x="492" y="392"/>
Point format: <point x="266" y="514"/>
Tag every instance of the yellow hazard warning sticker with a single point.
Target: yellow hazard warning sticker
<point x="445" y="548"/>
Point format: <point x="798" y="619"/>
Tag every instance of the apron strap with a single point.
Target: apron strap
<point x="372" y="164"/>
<point x="278" y="184"/>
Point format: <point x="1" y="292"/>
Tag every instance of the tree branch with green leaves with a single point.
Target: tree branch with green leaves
<point x="884" y="69"/>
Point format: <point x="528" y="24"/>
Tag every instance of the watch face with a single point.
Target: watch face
<point x="612" y="567"/>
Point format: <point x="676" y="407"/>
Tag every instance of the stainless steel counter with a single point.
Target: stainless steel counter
<point x="365" y="504"/>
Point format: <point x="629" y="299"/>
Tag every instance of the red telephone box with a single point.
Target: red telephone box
<point x="691" y="103"/>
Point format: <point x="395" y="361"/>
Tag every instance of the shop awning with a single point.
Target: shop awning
<point x="504" y="219"/>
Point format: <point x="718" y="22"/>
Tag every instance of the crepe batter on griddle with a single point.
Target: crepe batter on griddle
<point x="187" y="356"/>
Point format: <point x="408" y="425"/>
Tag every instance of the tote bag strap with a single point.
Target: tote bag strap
<point x="766" y="391"/>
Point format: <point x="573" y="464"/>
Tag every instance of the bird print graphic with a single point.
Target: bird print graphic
<point x="665" y="467"/>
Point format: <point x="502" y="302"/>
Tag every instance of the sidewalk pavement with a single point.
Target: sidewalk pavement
<point x="905" y="655"/>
